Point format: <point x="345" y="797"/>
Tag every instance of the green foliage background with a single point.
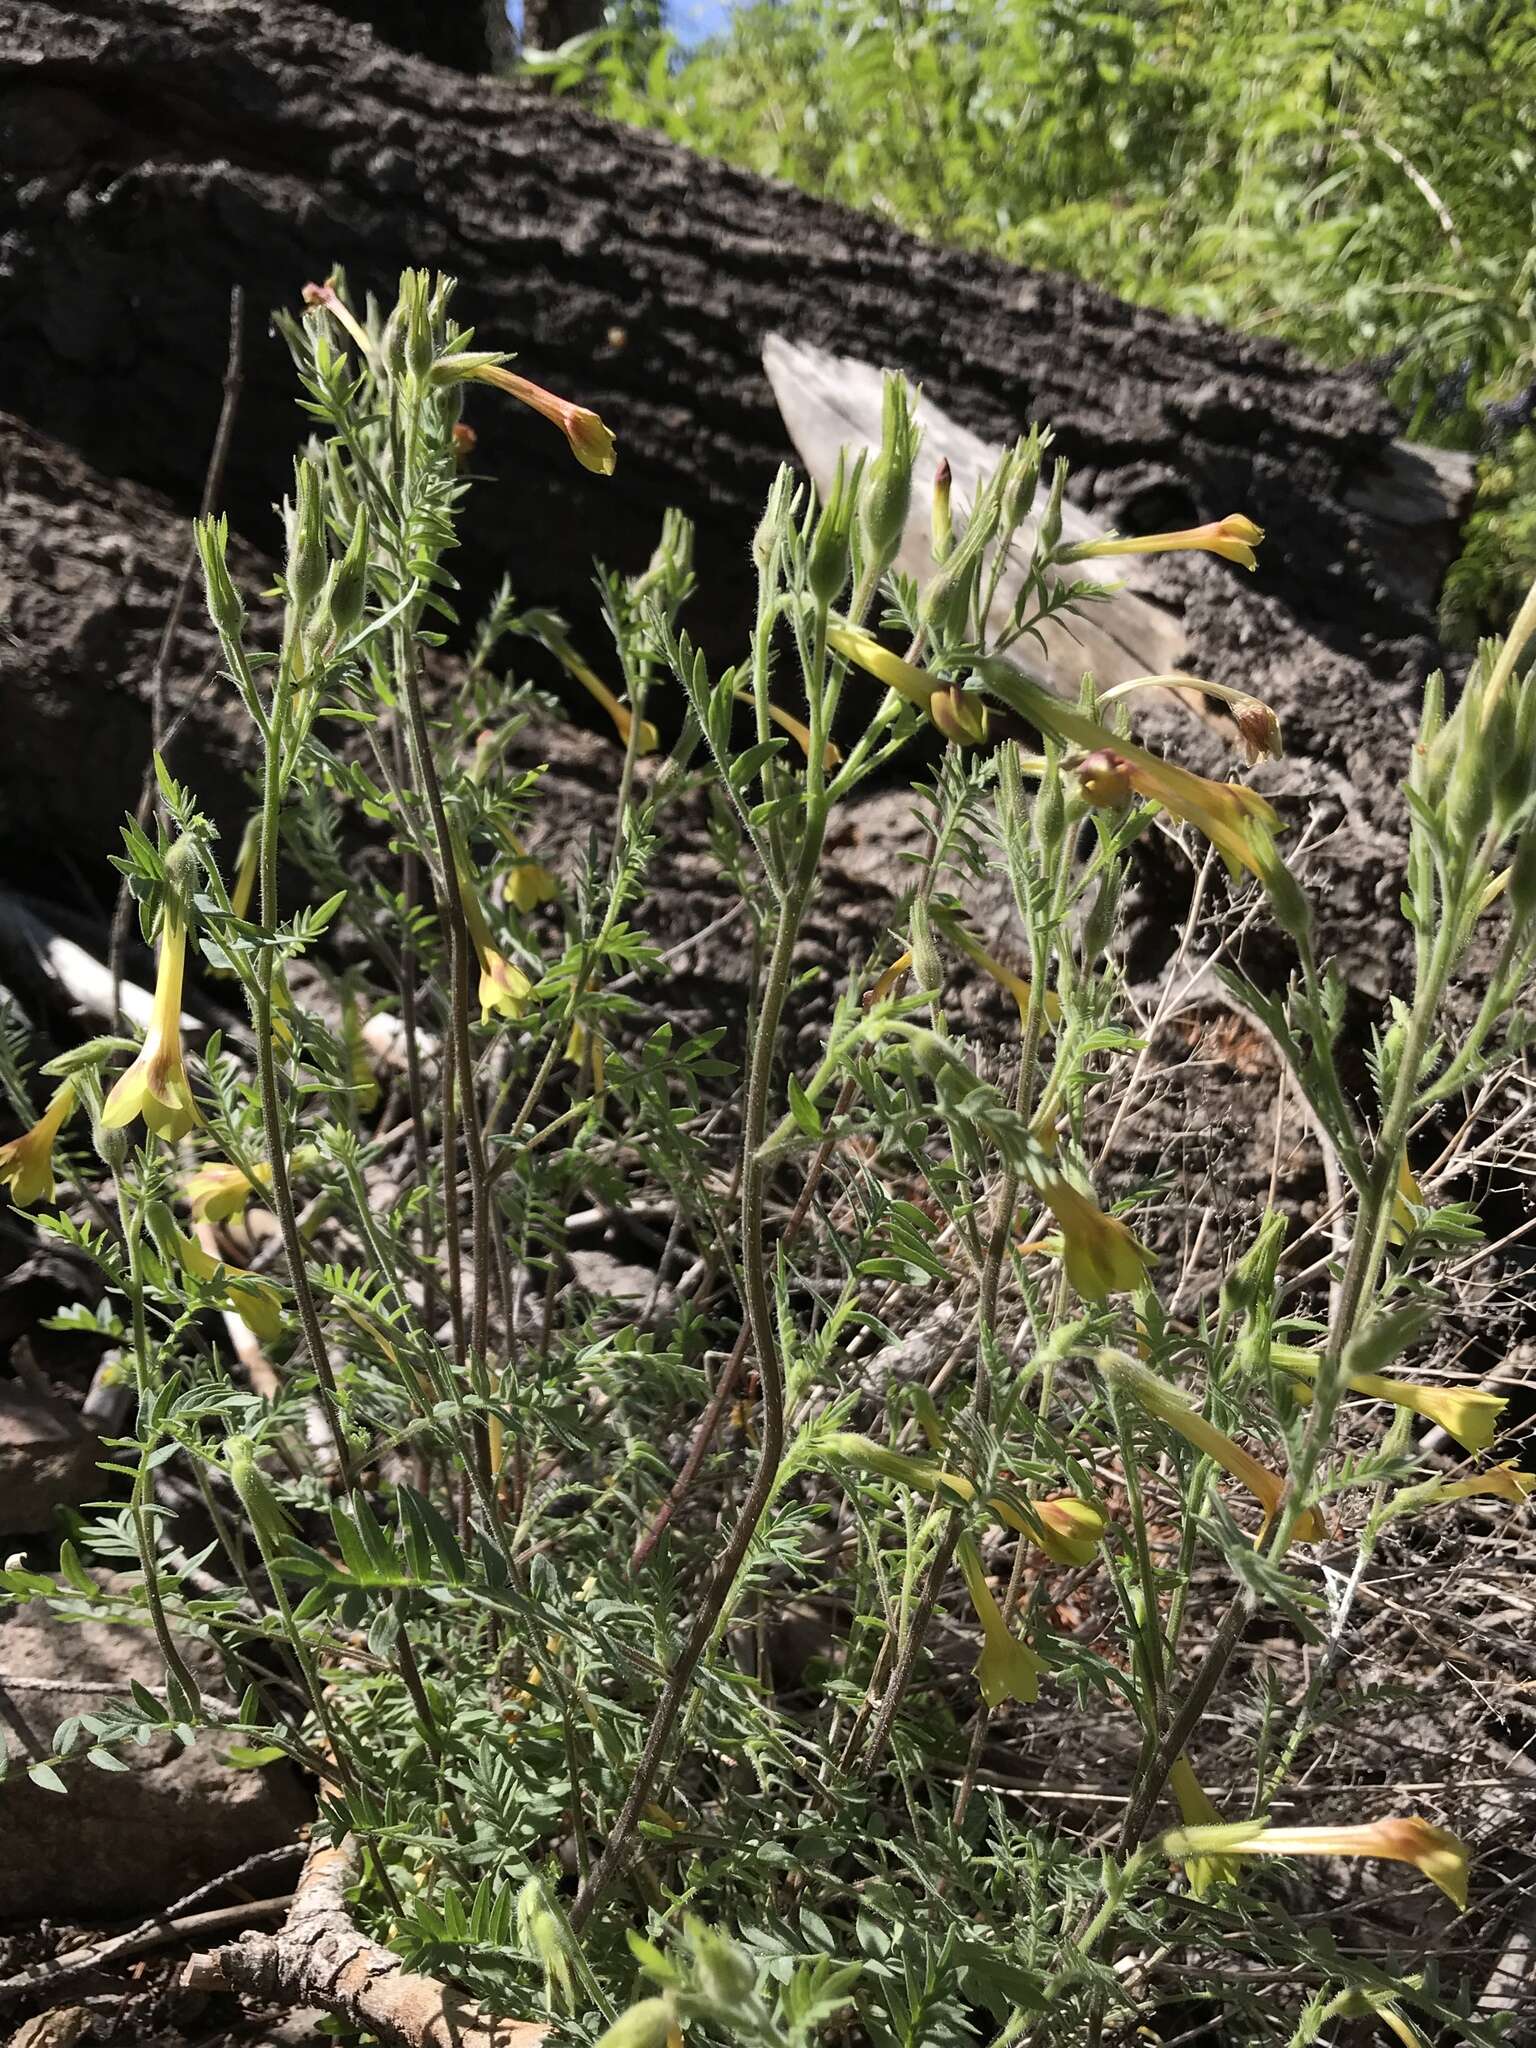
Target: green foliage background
<point x="1353" y="175"/>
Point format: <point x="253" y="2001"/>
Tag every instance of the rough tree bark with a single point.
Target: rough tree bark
<point x="469" y="35"/>
<point x="549" y="23"/>
<point x="150" y="156"/>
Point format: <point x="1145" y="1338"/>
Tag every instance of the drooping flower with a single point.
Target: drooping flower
<point x="1067" y="1528"/>
<point x="1465" y="1413"/>
<point x="1007" y="1669"/>
<point x="1502" y="1482"/>
<point x="26" y="1163"/>
<point x="218" y="1191"/>
<point x="255" y="1300"/>
<point x="1198" y="1809"/>
<point x="550" y="632"/>
<point x="1258" y="729"/>
<point x="156" y="1086"/>
<point x="1408" y="1197"/>
<point x="504" y="988"/>
<point x="590" y="441"/>
<point x="1015" y="984"/>
<point x="798" y="730"/>
<point x="326" y="295"/>
<point x="1168" y="1405"/>
<point x="1435" y="1852"/>
<point x="1100" y="1254"/>
<point x="529" y="883"/>
<point x="959" y="716"/>
<point x="1236" y="819"/>
<point x="586" y="1051"/>
<point x="247" y="864"/>
<point x="1235" y="537"/>
<point x="362" y="1080"/>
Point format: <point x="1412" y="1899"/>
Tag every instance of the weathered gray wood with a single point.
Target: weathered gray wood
<point x="830" y="402"/>
<point x="1414" y="496"/>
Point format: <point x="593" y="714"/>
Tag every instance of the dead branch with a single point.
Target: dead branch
<point x="319" y="1958"/>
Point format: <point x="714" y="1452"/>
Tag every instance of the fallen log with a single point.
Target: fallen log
<point x="150" y="157"/>
<point x="830" y="402"/>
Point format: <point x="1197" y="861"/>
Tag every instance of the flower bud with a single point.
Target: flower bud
<point x="827" y="563"/>
<point x="1049" y="813"/>
<point x="308" y="556"/>
<point x="886" y="499"/>
<point x="349" y="590"/>
<point x="941" y="524"/>
<point x="946" y="604"/>
<point x="1050" y="522"/>
<point x="1099" y="924"/>
<point x="650" y="2024"/>
<point x="1522" y="879"/>
<point x="224" y="606"/>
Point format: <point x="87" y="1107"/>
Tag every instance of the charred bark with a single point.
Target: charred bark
<point x="151" y="156"/>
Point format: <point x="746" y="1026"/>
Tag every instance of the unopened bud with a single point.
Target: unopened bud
<point x="308" y="556"/>
<point x="887" y="495"/>
<point x="349" y="590"/>
<point x="1103" y="912"/>
<point x="1049" y="812"/>
<point x="1050" y="523"/>
<point x="224" y="606"/>
<point x="826" y="566"/>
<point x="649" y="2024"/>
<point x="942" y="528"/>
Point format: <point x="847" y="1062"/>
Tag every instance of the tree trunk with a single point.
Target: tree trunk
<point x="549" y="23"/>
<point x="151" y="156"/>
<point x="468" y="35"/>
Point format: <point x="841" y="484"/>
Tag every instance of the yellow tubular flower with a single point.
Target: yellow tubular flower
<point x="798" y="730"/>
<point x="863" y="649"/>
<point x="1177" y="1412"/>
<point x="1235" y="537"/>
<point x="886" y="985"/>
<point x="1503" y="1482"/>
<point x="254" y="1300"/>
<point x="529" y="883"/>
<point x="1465" y="1413"/>
<point x="326" y="295"/>
<point x="1015" y="984"/>
<point x="1197" y="1809"/>
<point x="623" y="718"/>
<point x="242" y="895"/>
<point x="26" y="1163"/>
<point x="590" y="441"/>
<point x="1434" y="1852"/>
<point x="156" y="1087"/>
<point x="1100" y="1254"/>
<point x="1409" y="1196"/>
<point x="1236" y="819"/>
<point x="1007" y="1669"/>
<point x="504" y="988"/>
<point x="961" y="718"/>
<point x="361" y="1078"/>
<point x="218" y="1192"/>
<point x="1258" y="729"/>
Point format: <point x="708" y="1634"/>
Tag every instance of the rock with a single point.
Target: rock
<point x="46" y="1460"/>
<point x="122" y="1843"/>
